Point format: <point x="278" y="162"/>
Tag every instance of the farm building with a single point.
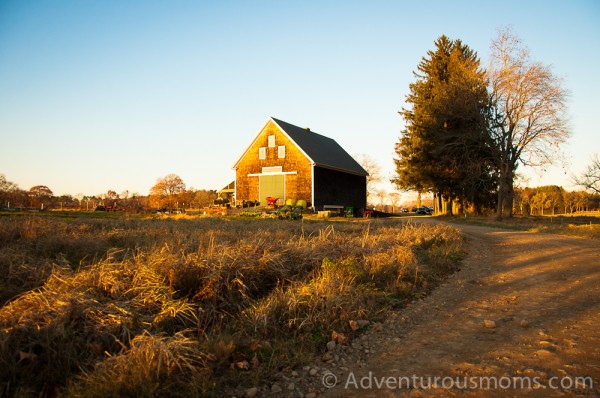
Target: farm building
<point x="289" y="162"/>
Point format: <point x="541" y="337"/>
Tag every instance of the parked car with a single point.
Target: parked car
<point x="404" y="210"/>
<point x="423" y="210"/>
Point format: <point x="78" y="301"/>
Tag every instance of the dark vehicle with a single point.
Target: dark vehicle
<point x="423" y="211"/>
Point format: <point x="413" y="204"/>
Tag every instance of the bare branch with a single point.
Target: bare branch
<point x="590" y="178"/>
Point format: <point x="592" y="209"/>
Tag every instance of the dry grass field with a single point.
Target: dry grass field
<point x="190" y="307"/>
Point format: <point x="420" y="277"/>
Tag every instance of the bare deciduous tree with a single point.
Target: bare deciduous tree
<point x="527" y="118"/>
<point x="373" y="169"/>
<point x="394" y="198"/>
<point x="382" y="195"/>
<point x="11" y="194"/>
<point x="590" y="179"/>
<point x="7" y="186"/>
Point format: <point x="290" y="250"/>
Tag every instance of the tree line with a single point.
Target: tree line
<point x="169" y="193"/>
<point x="553" y="200"/>
<point x="468" y="129"/>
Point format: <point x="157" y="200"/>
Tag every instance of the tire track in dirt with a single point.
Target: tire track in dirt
<point x="541" y="291"/>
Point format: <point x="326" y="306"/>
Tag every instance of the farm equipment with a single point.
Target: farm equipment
<point x="292" y="210"/>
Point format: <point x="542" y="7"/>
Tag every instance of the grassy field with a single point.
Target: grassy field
<point x="190" y="307"/>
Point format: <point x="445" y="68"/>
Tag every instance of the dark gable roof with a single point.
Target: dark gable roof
<point x="324" y="151"/>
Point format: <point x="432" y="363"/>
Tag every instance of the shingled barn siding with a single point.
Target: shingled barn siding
<point x="337" y="188"/>
<point x="297" y="186"/>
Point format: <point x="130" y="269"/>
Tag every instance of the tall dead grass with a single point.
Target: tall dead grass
<point x="184" y="307"/>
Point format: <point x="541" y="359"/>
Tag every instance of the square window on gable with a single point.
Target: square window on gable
<point x="262" y="153"/>
<point x="271" y="141"/>
<point x="281" y="151"/>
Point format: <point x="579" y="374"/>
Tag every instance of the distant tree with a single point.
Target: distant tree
<point x="554" y="195"/>
<point x="10" y="194"/>
<point x="569" y="201"/>
<point x="371" y="167"/>
<point x="186" y="197"/>
<point x="539" y="201"/>
<point x="203" y="198"/>
<point x="79" y="197"/>
<point x="590" y="178"/>
<point x="394" y="200"/>
<point x="526" y="200"/>
<point x="381" y="195"/>
<point x="165" y="191"/>
<point x="111" y="195"/>
<point x="40" y="196"/>
<point x="527" y="113"/>
<point x="132" y="202"/>
<point x="581" y="201"/>
<point x="66" y="201"/>
<point x="7" y="186"/>
<point x="40" y="191"/>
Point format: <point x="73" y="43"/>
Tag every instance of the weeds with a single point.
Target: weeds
<point x="112" y="307"/>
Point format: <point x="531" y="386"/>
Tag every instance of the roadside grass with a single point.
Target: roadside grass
<point x="587" y="226"/>
<point x="192" y="307"/>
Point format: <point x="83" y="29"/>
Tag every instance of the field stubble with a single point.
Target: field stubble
<point x="146" y="307"/>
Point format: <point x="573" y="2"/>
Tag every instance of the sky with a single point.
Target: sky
<point x="112" y="95"/>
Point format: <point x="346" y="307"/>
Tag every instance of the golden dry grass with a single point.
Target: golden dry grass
<point x="109" y="307"/>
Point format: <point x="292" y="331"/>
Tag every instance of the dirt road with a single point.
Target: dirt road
<point x="521" y="318"/>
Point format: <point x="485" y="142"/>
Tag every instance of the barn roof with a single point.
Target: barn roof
<point x="323" y="151"/>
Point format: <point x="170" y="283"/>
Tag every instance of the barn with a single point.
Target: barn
<point x="289" y="162"/>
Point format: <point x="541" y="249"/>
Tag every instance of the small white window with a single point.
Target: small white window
<point x="262" y="153"/>
<point x="271" y="141"/>
<point x="281" y="152"/>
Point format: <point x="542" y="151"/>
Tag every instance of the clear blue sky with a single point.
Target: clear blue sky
<point x="99" y="95"/>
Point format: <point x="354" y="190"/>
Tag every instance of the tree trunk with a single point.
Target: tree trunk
<point x="448" y="206"/>
<point x="508" y="199"/>
<point x="506" y="191"/>
<point x="458" y="206"/>
<point x="501" y="195"/>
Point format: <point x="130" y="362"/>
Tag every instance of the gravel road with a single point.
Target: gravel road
<point x="521" y="318"/>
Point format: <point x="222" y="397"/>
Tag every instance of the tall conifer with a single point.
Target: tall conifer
<point x="443" y="147"/>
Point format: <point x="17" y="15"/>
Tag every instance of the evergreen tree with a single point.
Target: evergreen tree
<point x="443" y="147"/>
